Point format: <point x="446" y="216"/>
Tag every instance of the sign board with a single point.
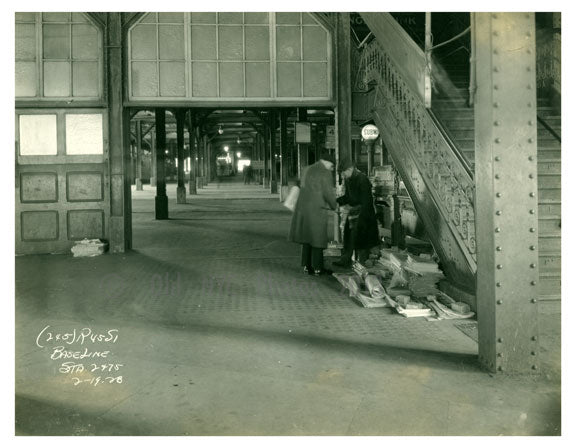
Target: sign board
<point x="302" y="132"/>
<point x="370" y="132"/>
<point x="330" y="137"/>
<point x="257" y="164"/>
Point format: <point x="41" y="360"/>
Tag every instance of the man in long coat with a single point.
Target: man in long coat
<point x="309" y="225"/>
<point x="361" y="227"/>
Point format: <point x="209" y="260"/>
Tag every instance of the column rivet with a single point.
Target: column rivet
<point x="497" y="158"/>
<point x="533" y="283"/>
<point x="495" y="86"/>
<point x="500" y="355"/>
<point x="499" y="266"/>
<point x="497" y="176"/>
<point x="497" y="229"/>
<point x="500" y="368"/>
<point x="534" y="368"/>
<point x="498" y="195"/>
<point x="532" y="265"/>
<point x="499" y="302"/>
<point x="532" y="229"/>
<point x="499" y="248"/>
<point x="500" y="340"/>
<point x="531" y="158"/>
<point x="533" y="301"/>
<point x="530" y="140"/>
<point x="498" y="212"/>
<point x="532" y="247"/>
<point x="532" y="211"/>
<point x="498" y="284"/>
<point x="531" y="176"/>
<point x="532" y="194"/>
<point x="534" y="338"/>
<point x="495" y="104"/>
<point x="496" y="123"/>
<point x="533" y="353"/>
<point x="530" y="123"/>
<point x="497" y="140"/>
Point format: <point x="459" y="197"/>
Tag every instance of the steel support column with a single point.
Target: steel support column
<point x="302" y="116"/>
<point x="284" y="163"/>
<point x="272" y="140"/>
<point x="119" y="141"/>
<point x="161" y="200"/>
<point x="139" y="156"/>
<point x="192" y="153"/>
<point x="153" y="158"/>
<point x="180" y="189"/>
<point x="343" y="112"/>
<point x="506" y="192"/>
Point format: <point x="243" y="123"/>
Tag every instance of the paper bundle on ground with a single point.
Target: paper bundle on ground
<point x="88" y="248"/>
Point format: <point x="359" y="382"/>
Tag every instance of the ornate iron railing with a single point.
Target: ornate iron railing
<point x="408" y="122"/>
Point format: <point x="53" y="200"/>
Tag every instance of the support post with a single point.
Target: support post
<point x="428" y="55"/>
<point x="180" y="189"/>
<point x="139" y="156"/>
<point x="153" y="158"/>
<point x="266" y="152"/>
<point x="161" y="200"/>
<point x="273" y="176"/>
<point x="302" y="116"/>
<point x="284" y="162"/>
<point x="343" y="111"/>
<point x="506" y="192"/>
<point x="119" y="134"/>
<point x="192" y="153"/>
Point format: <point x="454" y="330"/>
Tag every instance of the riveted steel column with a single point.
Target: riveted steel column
<point x="343" y="112"/>
<point x="506" y="192"/>
<point x="302" y="115"/>
<point x="180" y="189"/>
<point x="273" y="176"/>
<point x="283" y="153"/>
<point x="119" y="140"/>
<point x="161" y="200"/>
<point x="192" y="151"/>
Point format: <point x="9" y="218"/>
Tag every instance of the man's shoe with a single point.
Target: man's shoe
<point x="342" y="264"/>
<point x="308" y="270"/>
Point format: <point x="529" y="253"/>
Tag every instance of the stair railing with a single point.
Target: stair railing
<point x="409" y="125"/>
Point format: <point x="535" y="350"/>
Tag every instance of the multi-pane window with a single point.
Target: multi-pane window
<point x="232" y="55"/>
<point x="58" y="56"/>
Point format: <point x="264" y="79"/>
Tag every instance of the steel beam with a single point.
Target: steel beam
<point x="161" y="200"/>
<point x="506" y="192"/>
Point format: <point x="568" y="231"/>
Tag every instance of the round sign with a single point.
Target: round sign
<point x="370" y="132"/>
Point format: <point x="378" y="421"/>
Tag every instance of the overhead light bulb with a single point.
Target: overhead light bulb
<point x="220" y="130"/>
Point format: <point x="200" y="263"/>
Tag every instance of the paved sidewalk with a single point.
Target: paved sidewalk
<point x="219" y="333"/>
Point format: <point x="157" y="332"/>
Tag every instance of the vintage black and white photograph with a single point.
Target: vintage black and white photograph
<point x="306" y="222"/>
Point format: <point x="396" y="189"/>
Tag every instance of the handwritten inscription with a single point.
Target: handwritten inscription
<point x="91" y="347"/>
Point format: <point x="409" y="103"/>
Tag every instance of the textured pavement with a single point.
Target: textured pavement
<point x="219" y="333"/>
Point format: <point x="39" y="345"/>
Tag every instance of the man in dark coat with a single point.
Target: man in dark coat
<point x="361" y="227"/>
<point x="309" y="225"/>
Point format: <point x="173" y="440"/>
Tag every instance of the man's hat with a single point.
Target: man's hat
<point x="344" y="164"/>
<point x="328" y="157"/>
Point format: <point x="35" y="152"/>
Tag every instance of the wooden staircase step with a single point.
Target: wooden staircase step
<point x="549" y="242"/>
<point x="549" y="207"/>
<point x="549" y="261"/>
<point x="549" y="224"/>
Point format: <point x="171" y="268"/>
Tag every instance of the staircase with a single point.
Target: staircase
<point x="450" y="106"/>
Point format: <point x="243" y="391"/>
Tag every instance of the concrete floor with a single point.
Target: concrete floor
<point x="219" y="333"/>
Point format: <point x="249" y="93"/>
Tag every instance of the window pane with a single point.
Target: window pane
<point x="230" y="17"/>
<point x="230" y="43"/>
<point x="288" y="18"/>
<point x="172" y="79"/>
<point x="288" y="43"/>
<point x="170" y="17"/>
<point x="308" y="19"/>
<point x="85" y="79"/>
<point x="25" y="79"/>
<point x="203" y="42"/>
<point x="85" y="42"/>
<point x="149" y="18"/>
<point x="255" y="17"/>
<point x="38" y="135"/>
<point x="257" y="43"/>
<point x="315" y="79"/>
<point x="25" y="41"/>
<point x="143" y="40"/>
<point x="171" y="42"/>
<point x="203" y="17"/>
<point x="231" y="79"/>
<point x="314" y="43"/>
<point x="25" y="16"/>
<point x="144" y="79"/>
<point x="79" y="17"/>
<point x="84" y="134"/>
<point x="257" y="79"/>
<point x="204" y="79"/>
<point x="289" y="79"/>
<point x="56" y="41"/>
<point x="56" y="79"/>
<point x="55" y="16"/>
